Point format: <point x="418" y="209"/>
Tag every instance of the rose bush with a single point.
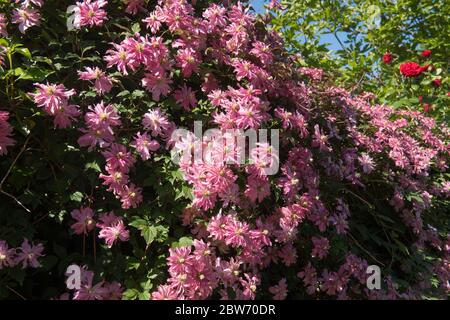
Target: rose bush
<point x="373" y="39"/>
<point x="87" y="176"/>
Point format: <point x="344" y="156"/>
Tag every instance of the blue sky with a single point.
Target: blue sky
<point x="258" y="5"/>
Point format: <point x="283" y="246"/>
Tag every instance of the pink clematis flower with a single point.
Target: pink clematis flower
<point x="88" y="290"/>
<point x="28" y="254"/>
<point x="188" y="60"/>
<point x="85" y="221"/>
<point x="243" y="69"/>
<point x="158" y="84"/>
<point x="93" y="137"/>
<point x="65" y="115"/>
<point x="145" y="145"/>
<point x="7" y="255"/>
<point x="3" y="24"/>
<point x="51" y="97"/>
<point x="186" y="97"/>
<point x="119" y="158"/>
<point x="90" y="13"/>
<point x="118" y="57"/>
<point x="250" y="284"/>
<point x="258" y="188"/>
<point x="102" y="117"/>
<point x="275" y="5"/>
<point x="236" y="233"/>
<point x="179" y="260"/>
<point x="130" y="196"/>
<point x="116" y="231"/>
<point x="107" y="219"/>
<point x="165" y="292"/>
<point x="215" y="15"/>
<point x="115" y="179"/>
<point x="366" y="162"/>
<point x="54" y="99"/>
<point x="5" y="133"/>
<point x="279" y="291"/>
<point x="26" y="18"/>
<point x="153" y="22"/>
<point x="114" y="291"/>
<point x="133" y="6"/>
<point x="320" y="140"/>
<point x="263" y="52"/>
<point x="320" y="247"/>
<point x="103" y="83"/>
<point x="156" y="121"/>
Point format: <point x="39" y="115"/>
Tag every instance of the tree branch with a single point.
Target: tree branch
<point x="9" y="171"/>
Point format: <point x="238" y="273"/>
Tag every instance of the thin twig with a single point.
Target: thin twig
<point x="357" y="196"/>
<point x="95" y="246"/>
<point x="18" y="294"/>
<point x="15" y="160"/>
<point x="41" y="218"/>
<point x="15" y="199"/>
<point x="145" y="253"/>
<point x="365" y="250"/>
<point x="340" y="42"/>
<point x="358" y="83"/>
<point x="9" y="171"/>
<point x="84" y="244"/>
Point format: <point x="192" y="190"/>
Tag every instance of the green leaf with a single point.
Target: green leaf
<point x="123" y="93"/>
<point x="149" y="233"/>
<point x="92" y="165"/>
<point x="130" y="294"/>
<point x="136" y="28"/>
<point x="182" y="242"/>
<point x="163" y="233"/>
<point x="133" y="263"/>
<point x="4" y="43"/>
<point x="24" y="51"/>
<point x="138" y="94"/>
<point x="144" y="295"/>
<point x="17" y="72"/>
<point x="138" y="223"/>
<point x="34" y="74"/>
<point x="76" y="196"/>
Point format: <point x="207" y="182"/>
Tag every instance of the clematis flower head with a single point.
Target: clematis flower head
<point x="90" y="13"/>
<point x="28" y="254"/>
<point x="102" y="82"/>
<point x="26" y="18"/>
<point x="84" y="220"/>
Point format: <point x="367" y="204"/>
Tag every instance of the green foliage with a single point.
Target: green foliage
<point x="367" y="29"/>
<point x="47" y="175"/>
<point x="51" y="176"/>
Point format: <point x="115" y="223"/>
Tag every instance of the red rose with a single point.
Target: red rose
<point x="437" y="82"/>
<point x="411" y="69"/>
<point x="387" y="58"/>
<point x="427" y="107"/>
<point x="420" y="99"/>
<point x="426" y="67"/>
<point x="426" y="53"/>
